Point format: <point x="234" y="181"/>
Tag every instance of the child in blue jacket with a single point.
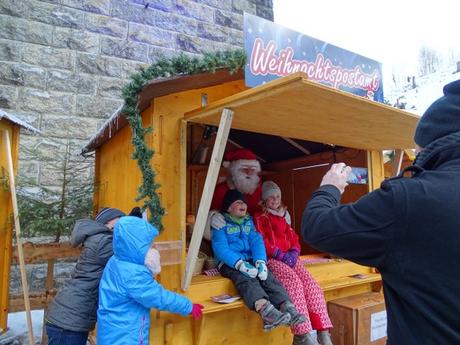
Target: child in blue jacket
<point x="240" y="250"/>
<point x="127" y="290"/>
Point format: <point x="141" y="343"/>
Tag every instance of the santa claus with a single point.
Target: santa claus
<point x="244" y="170"/>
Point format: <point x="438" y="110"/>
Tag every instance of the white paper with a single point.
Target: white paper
<point x="225" y="299"/>
<point x="229" y="300"/>
<point x="378" y="325"/>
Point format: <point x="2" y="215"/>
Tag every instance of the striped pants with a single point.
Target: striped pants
<point x="305" y="294"/>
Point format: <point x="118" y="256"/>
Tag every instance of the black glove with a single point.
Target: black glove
<point x="136" y="212"/>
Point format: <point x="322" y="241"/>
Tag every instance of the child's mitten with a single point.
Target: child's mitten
<point x="291" y="257"/>
<point x="246" y="268"/>
<point x="197" y="311"/>
<point x="278" y="254"/>
<point x="262" y="271"/>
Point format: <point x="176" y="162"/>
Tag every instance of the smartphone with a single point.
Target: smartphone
<point x="358" y="176"/>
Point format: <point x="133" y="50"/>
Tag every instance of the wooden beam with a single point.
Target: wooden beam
<point x="410" y="154"/>
<point x="397" y="162"/>
<point x="38" y="301"/>
<point x="297" y="146"/>
<point x="41" y="252"/>
<point x="208" y="191"/>
<point x="6" y="233"/>
<point x="375" y="169"/>
<point x="17" y="228"/>
<point x="260" y="159"/>
<point x="183" y="193"/>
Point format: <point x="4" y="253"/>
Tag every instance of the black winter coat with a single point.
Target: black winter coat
<point x="410" y="230"/>
<point x="74" y="307"/>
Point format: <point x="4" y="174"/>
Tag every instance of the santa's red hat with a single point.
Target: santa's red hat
<point x="241" y="157"/>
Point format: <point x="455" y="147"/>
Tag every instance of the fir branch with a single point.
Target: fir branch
<point x="181" y="64"/>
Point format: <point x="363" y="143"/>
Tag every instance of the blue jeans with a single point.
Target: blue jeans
<point x="59" y="336"/>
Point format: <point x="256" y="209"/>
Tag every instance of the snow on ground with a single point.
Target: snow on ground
<point x="428" y="89"/>
<point x="17" y="332"/>
<point x="17" y="323"/>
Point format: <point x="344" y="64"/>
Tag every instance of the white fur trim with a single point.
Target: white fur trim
<point x="246" y="163"/>
<point x="207" y="229"/>
<point x="287" y="217"/>
<point x="152" y="261"/>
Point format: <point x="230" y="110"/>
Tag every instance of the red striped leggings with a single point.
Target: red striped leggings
<point x="305" y="293"/>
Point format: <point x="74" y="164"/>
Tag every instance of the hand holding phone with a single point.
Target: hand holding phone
<point x="358" y="176"/>
<point x="337" y="176"/>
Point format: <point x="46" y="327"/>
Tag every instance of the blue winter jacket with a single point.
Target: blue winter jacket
<point x="238" y="240"/>
<point x="127" y="290"/>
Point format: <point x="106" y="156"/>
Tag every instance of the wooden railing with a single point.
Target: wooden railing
<point x="171" y="254"/>
<point x="41" y="253"/>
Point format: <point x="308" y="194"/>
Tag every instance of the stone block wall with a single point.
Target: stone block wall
<point x="63" y="62"/>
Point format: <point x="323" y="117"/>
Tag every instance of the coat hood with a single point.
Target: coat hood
<point x="442" y="153"/>
<point x="84" y="228"/>
<point x="132" y="239"/>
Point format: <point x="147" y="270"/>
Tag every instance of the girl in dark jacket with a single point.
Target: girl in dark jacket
<point x="283" y="249"/>
<point x="72" y="314"/>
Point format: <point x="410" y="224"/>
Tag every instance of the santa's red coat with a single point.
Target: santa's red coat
<point x="251" y="199"/>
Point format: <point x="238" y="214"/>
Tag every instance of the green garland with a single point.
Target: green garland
<point x="233" y="60"/>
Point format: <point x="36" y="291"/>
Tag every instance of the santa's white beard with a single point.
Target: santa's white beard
<point x="244" y="183"/>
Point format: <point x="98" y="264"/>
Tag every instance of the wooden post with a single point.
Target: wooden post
<point x="397" y="162"/>
<point x="208" y="191"/>
<point x="375" y="169"/>
<point x="49" y="284"/>
<point x="17" y="227"/>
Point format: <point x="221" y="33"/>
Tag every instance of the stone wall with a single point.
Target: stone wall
<point x="63" y="62"/>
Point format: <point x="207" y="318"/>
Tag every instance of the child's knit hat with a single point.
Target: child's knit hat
<point x="270" y="188"/>
<point x="230" y="197"/>
<point x="107" y="214"/>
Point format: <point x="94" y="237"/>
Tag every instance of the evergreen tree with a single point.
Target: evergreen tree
<point x="53" y="211"/>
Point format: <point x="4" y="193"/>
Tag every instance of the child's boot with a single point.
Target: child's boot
<point x="272" y="317"/>
<point x="296" y="317"/>
<point x="304" y="339"/>
<point x="324" y="338"/>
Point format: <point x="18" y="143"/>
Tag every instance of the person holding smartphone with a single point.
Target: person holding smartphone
<point x="409" y="229"/>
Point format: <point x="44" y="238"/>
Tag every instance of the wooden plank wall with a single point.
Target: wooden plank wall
<point x="6" y="220"/>
<point x="169" y="147"/>
<point x="298" y="185"/>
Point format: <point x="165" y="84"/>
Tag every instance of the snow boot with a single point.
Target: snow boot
<point x="324" y="338"/>
<point x="272" y="317"/>
<point x="304" y="339"/>
<point x="296" y="317"/>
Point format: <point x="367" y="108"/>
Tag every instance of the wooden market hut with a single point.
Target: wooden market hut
<point x="295" y="126"/>
<point x="12" y="125"/>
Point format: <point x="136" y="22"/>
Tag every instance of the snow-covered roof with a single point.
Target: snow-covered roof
<point x="111" y="126"/>
<point x="18" y="121"/>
